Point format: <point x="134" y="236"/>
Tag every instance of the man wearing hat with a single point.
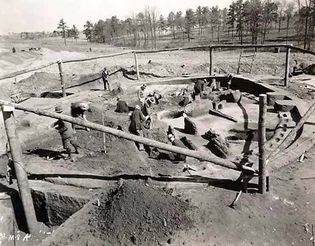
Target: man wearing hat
<point x="141" y="95"/>
<point x="121" y="106"/>
<point x="136" y="124"/>
<point x="78" y="110"/>
<point x="105" y="76"/>
<point x="67" y="135"/>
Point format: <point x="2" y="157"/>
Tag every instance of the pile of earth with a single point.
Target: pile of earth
<point x="132" y="214"/>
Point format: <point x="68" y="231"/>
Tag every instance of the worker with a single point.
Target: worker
<point x="121" y="106"/>
<point x="198" y="87"/>
<point x="141" y="94"/>
<point x="105" y="76"/>
<point x="136" y="124"/>
<point x="78" y="110"/>
<point x="176" y="157"/>
<point x="67" y="135"/>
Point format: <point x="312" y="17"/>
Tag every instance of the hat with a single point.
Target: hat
<point x="137" y="107"/>
<point x="58" y="109"/>
<point x="84" y="106"/>
<point x="171" y="137"/>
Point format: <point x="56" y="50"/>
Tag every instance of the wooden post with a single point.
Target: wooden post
<point x="261" y="143"/>
<point x="136" y="65"/>
<point x="104" y="136"/>
<point x="211" y="61"/>
<point x="287" y="67"/>
<point x="61" y="79"/>
<point x="21" y="176"/>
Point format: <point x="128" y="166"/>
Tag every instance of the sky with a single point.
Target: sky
<point x="44" y="15"/>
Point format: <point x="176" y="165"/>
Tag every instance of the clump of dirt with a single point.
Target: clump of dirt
<point x="139" y="214"/>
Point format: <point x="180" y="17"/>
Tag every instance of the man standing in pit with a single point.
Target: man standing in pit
<point x="67" y="135"/>
<point x="105" y="76"/>
<point x="78" y="110"/>
<point x="198" y="87"/>
<point x="136" y="124"/>
<point x="141" y="94"/>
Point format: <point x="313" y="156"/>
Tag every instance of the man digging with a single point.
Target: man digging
<point x="67" y="135"/>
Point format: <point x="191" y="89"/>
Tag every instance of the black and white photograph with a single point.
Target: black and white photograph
<point x="157" y="122"/>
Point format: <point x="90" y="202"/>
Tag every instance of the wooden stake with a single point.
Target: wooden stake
<point x="211" y="61"/>
<point x="261" y="143"/>
<point x="239" y="62"/>
<point x="63" y="89"/>
<point x="104" y="136"/>
<point x="21" y="176"/>
<point x="287" y="67"/>
<point x="136" y="65"/>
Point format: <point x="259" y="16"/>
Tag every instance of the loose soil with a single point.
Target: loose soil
<point x="133" y="214"/>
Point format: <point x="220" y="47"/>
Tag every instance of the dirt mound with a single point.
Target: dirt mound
<point x="138" y="214"/>
<point x="132" y="214"/>
<point x="39" y="82"/>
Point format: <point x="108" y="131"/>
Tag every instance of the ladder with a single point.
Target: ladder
<point x="253" y="56"/>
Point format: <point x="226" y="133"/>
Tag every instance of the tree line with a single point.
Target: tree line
<point x="244" y="21"/>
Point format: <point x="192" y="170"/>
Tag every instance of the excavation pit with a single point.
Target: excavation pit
<point x="96" y="170"/>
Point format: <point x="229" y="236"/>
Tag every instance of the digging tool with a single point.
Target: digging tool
<point x="234" y="203"/>
<point x="218" y="113"/>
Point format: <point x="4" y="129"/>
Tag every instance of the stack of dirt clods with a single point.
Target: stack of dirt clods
<point x="138" y="214"/>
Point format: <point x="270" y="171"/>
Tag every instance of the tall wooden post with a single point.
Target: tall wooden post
<point x="21" y="176"/>
<point x="287" y="67"/>
<point x="261" y="143"/>
<point x="136" y="65"/>
<point x="61" y="78"/>
<point x="211" y="61"/>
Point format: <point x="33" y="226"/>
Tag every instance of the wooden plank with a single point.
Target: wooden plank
<point x="216" y="112"/>
<point x="291" y="136"/>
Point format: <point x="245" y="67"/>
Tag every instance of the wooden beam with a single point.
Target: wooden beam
<point x="136" y="65"/>
<point x="223" y="115"/>
<point x="12" y="75"/>
<point x="63" y="88"/>
<point x="203" y="156"/>
<point x="261" y="143"/>
<point x="287" y="67"/>
<point x="21" y="176"/>
<point x="211" y="61"/>
<point x="99" y="57"/>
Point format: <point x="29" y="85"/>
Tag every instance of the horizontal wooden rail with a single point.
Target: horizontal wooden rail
<point x="98" y="57"/>
<point x="12" y="75"/>
<point x="146" y="141"/>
